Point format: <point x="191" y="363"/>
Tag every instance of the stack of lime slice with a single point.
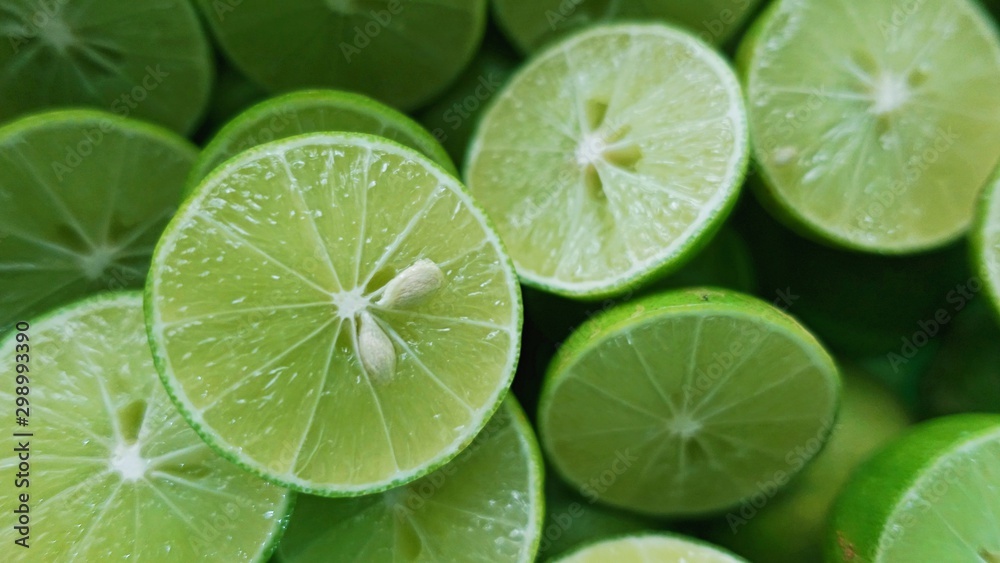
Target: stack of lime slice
<point x="486" y="505"/>
<point x="611" y="158"/>
<point x="872" y="137"/>
<point x="684" y="403"/>
<point x="79" y="54"/>
<point x="650" y="547"/>
<point x="930" y="496"/>
<point x="314" y="111"/>
<point x="112" y="472"/>
<point x="321" y="334"/>
<point x="85" y="197"/>
<point x="400" y="52"/>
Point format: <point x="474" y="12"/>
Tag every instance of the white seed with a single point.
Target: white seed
<point x="378" y="356"/>
<point x="413" y="285"/>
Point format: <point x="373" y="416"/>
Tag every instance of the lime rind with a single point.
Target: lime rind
<point x="221" y="147"/>
<point x="712" y="214"/>
<point x="230" y="451"/>
<point x="694" y="547"/>
<point x="986" y="242"/>
<point x="133" y="298"/>
<point x="605" y="327"/>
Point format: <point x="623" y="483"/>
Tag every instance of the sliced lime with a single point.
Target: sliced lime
<point x="533" y="24"/>
<point x="650" y="547"/>
<point x="85" y="195"/>
<point x="788" y="526"/>
<point x="111" y="470"/>
<point x="611" y="158"/>
<point x="877" y="136"/>
<point x="317" y="324"/>
<point x="930" y="496"/>
<point x="137" y="59"/>
<point x="986" y="241"/>
<point x="682" y="403"/>
<point x="314" y="111"/>
<point x="486" y="504"/>
<point x="402" y="52"/>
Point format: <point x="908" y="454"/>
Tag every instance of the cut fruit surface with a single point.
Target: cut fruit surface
<point x="85" y="196"/>
<point x="401" y="52"/>
<point x="682" y="403"/>
<point x="986" y="242"/>
<point x="930" y="496"/>
<point x="115" y="472"/>
<point x="314" y="111"/>
<point x="611" y="158"/>
<point x="530" y="25"/>
<point x="484" y="506"/>
<point x="315" y="322"/>
<point x="880" y="136"/>
<point x="650" y="547"/>
<point x="81" y="54"/>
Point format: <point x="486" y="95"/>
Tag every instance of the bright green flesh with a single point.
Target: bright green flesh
<point x="401" y="52"/>
<point x="611" y="158"/>
<point x="987" y="242"/>
<point x="647" y="548"/>
<point x="531" y="24"/>
<point x="63" y="53"/>
<point x="74" y="225"/>
<point x="314" y="112"/>
<point x="930" y="496"/>
<point x="679" y="404"/>
<point x="252" y="302"/>
<point x="116" y="474"/>
<point x="484" y="506"/>
<point x="880" y="136"/>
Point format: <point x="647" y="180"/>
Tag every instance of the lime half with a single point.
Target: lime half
<point x="314" y="111"/>
<point x="401" y="52"/>
<point x="149" y="60"/>
<point x="84" y="196"/>
<point x="611" y="158"/>
<point x="930" y="496"/>
<point x="111" y="470"/>
<point x="530" y="25"/>
<point x="644" y="548"/>
<point x="486" y="505"/>
<point x="333" y="312"/>
<point x="986" y="241"/>
<point x="877" y="136"/>
<point x="685" y="403"/>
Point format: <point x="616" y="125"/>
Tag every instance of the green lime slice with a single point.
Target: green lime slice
<point x="137" y="59"/>
<point x="401" y="52"/>
<point x="111" y="470"/>
<point x="870" y="417"/>
<point x="644" y="548"/>
<point x="315" y="322"/>
<point x="601" y="166"/>
<point x="930" y="496"/>
<point x="85" y="196"/>
<point x="486" y="503"/>
<point x="880" y="136"/>
<point x="530" y="25"/>
<point x="986" y="241"/>
<point x="314" y="111"/>
<point x="683" y="403"/>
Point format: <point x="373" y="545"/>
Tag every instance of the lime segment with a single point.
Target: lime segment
<point x="880" y="135"/>
<point x="681" y="403"/>
<point x="314" y="111"/>
<point x="484" y="505"/>
<point x="316" y="324"/>
<point x="85" y="197"/>
<point x="929" y="496"/>
<point x="611" y="158"/>
<point x="115" y="472"/>
<point x="643" y="548"/>
<point x="93" y="54"/>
